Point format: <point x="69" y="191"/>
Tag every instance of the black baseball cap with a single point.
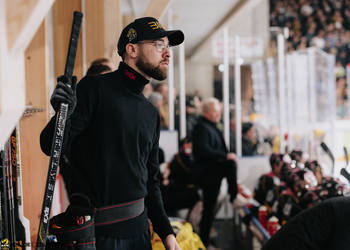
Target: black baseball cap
<point x="146" y="28"/>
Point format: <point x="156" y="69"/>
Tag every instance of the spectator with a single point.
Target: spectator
<point x="156" y="99"/>
<point x="249" y="139"/>
<point x="164" y="109"/>
<point x="213" y="162"/>
<point x="178" y="189"/>
<point x="191" y="114"/>
<point x="100" y="66"/>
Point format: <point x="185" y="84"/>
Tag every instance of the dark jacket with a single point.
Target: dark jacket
<point x="209" y="147"/>
<point x="248" y="147"/>
<point x="325" y="226"/>
<point x="113" y="138"/>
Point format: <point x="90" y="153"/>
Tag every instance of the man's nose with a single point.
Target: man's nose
<point x="166" y="53"/>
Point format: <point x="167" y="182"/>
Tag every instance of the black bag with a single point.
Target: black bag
<point x="75" y="228"/>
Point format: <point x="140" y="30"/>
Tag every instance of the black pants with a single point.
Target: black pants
<point x="210" y="184"/>
<point x="138" y="242"/>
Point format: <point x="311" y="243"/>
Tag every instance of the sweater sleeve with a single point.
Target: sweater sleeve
<point x="87" y="99"/>
<point x="154" y="202"/>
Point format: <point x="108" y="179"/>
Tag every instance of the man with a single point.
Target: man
<point x="213" y="162"/>
<point x="113" y="137"/>
<point x="324" y="226"/>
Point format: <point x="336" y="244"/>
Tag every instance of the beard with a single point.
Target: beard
<point x="153" y="71"/>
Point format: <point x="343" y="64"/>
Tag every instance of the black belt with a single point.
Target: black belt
<point x="120" y="212"/>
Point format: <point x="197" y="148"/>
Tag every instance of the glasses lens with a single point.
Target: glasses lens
<point x="161" y="46"/>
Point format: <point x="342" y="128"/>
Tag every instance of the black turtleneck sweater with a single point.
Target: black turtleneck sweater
<point x="113" y="138"/>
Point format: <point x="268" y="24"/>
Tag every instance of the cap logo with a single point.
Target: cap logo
<point x="131" y="35"/>
<point x="155" y="25"/>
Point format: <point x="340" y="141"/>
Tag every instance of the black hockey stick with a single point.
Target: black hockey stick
<point x="4" y="193"/>
<point x="57" y="141"/>
<point x="330" y="154"/>
<point x="9" y="183"/>
<point x="343" y="171"/>
<point x="19" y="232"/>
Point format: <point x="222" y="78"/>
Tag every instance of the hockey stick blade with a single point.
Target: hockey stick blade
<point x="345" y="173"/>
<point x="330" y="154"/>
<point x="346" y="156"/>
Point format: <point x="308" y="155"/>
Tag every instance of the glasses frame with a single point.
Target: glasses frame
<point x="159" y="44"/>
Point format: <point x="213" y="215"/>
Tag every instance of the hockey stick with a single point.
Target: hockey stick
<point x="330" y="154"/>
<point x="11" y="206"/>
<point x="25" y="222"/>
<point x="57" y="141"/>
<point x="343" y="171"/>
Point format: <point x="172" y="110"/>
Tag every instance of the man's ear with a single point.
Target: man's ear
<point x="132" y="50"/>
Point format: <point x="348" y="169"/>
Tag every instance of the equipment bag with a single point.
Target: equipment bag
<point x="75" y="228"/>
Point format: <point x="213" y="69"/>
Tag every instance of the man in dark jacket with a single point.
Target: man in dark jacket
<point x="113" y="137"/>
<point x="213" y="162"/>
<point x="324" y="226"/>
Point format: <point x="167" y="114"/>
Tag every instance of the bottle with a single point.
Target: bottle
<point x="273" y="226"/>
<point x="263" y="216"/>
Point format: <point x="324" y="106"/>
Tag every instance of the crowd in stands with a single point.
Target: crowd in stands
<point x="324" y="24"/>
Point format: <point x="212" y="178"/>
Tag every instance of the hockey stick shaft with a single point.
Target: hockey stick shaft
<point x="57" y="141"/>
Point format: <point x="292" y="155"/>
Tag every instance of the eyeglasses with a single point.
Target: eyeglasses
<point x="160" y="45"/>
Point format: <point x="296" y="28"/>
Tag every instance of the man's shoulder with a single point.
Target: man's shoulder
<point x="111" y="76"/>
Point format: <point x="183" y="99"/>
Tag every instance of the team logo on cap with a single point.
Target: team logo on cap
<point x="131" y="35"/>
<point x="155" y="25"/>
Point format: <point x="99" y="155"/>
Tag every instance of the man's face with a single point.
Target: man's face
<point x="153" y="58"/>
<point x="213" y="113"/>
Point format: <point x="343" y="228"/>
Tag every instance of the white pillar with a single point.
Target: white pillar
<point x="281" y="82"/>
<point x="182" y="93"/>
<point x="225" y="90"/>
<point x="238" y="106"/>
<point x="171" y="78"/>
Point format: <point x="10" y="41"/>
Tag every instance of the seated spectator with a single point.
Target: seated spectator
<point x="249" y="139"/>
<point x="148" y="90"/>
<point x="178" y="187"/>
<point x="191" y="114"/>
<point x="156" y="99"/>
<point x="100" y="66"/>
<point x="164" y="109"/>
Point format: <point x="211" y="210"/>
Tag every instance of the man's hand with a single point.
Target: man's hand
<point x="170" y="243"/>
<point x="64" y="93"/>
<point x="231" y="156"/>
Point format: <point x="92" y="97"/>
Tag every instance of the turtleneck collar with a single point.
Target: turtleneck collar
<point x="134" y="81"/>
